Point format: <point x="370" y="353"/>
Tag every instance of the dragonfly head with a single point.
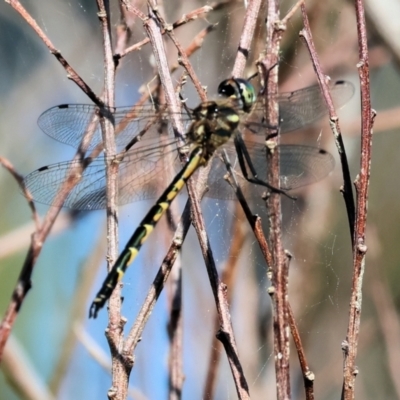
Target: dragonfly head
<point x="240" y="90"/>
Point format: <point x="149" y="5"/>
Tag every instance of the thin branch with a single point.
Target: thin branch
<point x="20" y="180"/>
<point x="279" y="267"/>
<point x="226" y="331"/>
<point x="180" y="235"/>
<point x="362" y="185"/>
<point x="134" y="10"/>
<point x="183" y="58"/>
<point x="71" y="73"/>
<point x="347" y="191"/>
<point x="225" y="334"/>
<point x="155" y="36"/>
<point x="308" y="375"/>
<point x="249" y="26"/>
<point x="254" y="220"/>
<point x="176" y="376"/>
<point x="114" y="333"/>
<point x="228" y="276"/>
<point x="153" y="31"/>
<point x="193" y="15"/>
<point x="123" y="32"/>
<point x="135" y="333"/>
<point x="149" y="90"/>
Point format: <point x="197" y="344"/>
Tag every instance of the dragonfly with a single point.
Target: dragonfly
<point x="142" y="167"/>
<point x="149" y="159"/>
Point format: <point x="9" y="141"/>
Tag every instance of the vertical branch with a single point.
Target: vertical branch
<point x="175" y="333"/>
<point x="153" y="29"/>
<point x="120" y="366"/>
<point x="228" y="277"/>
<point x="250" y="20"/>
<point x="308" y="375"/>
<point x="154" y="34"/>
<point x="107" y="125"/>
<point x="279" y="268"/>
<point x="357" y="216"/>
<point x="334" y="121"/>
<point x="225" y="334"/>
<point x="361" y="185"/>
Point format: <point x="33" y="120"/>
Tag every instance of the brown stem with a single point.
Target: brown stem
<point x="308" y="375"/>
<point x="71" y="73"/>
<point x="183" y="58"/>
<point x="225" y="334"/>
<point x="193" y="15"/>
<point x="228" y="276"/>
<point x="250" y="20"/>
<point x="175" y="333"/>
<point x="114" y="332"/>
<point x="334" y="121"/>
<point x="362" y="186"/>
<point x="279" y="267"/>
<point x="20" y="180"/>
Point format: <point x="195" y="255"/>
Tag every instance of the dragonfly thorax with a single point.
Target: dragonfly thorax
<point x="215" y="128"/>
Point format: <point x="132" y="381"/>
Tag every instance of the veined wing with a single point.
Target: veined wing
<point x="303" y="107"/>
<point x="299" y="166"/>
<point x="142" y="174"/>
<point x="144" y="171"/>
<point x="68" y="123"/>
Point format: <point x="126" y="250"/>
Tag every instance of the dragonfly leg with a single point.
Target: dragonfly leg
<point x="244" y="158"/>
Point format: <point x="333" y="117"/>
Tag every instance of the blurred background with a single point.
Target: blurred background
<point x="61" y="354"/>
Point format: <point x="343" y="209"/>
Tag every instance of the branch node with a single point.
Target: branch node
<point x="288" y="254"/>
<point x="361" y="246"/>
<point x="309" y="375"/>
<point x="280" y="26"/>
<point x="271" y="290"/>
<point x="345" y="347"/>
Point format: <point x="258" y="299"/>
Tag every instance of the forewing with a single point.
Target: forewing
<point x="303" y="107"/>
<point x="68" y="124"/>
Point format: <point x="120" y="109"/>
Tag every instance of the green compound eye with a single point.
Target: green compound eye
<point x="238" y="89"/>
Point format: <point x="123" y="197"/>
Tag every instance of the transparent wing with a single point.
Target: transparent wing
<point x="144" y="170"/>
<point x="299" y="166"/>
<point x="68" y="123"/>
<point x="143" y="173"/>
<point x="303" y="107"/>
